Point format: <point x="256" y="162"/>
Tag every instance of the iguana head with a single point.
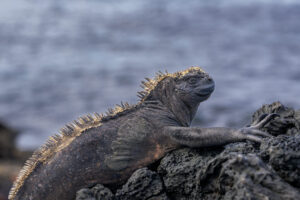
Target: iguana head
<point x="180" y="91"/>
<point x="191" y="86"/>
<point x="194" y="87"/>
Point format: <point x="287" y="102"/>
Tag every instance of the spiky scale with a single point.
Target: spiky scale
<point x="148" y="79"/>
<point x="127" y="105"/>
<point x="98" y="116"/>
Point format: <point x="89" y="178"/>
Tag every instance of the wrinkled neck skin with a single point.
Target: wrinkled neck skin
<point x="165" y="93"/>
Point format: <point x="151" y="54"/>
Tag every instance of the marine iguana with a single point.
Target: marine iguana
<point x="108" y="149"/>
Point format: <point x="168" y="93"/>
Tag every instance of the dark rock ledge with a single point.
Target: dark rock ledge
<point x="237" y="171"/>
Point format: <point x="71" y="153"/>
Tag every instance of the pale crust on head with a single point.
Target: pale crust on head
<point x="67" y="134"/>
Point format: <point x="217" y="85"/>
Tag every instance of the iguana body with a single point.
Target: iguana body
<point x="107" y="149"/>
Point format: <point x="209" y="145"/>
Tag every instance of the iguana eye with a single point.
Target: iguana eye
<point x="192" y="80"/>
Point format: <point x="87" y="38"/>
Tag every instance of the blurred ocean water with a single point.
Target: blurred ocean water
<point x="62" y="59"/>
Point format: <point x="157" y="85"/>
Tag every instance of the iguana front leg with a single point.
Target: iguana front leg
<point x="203" y="137"/>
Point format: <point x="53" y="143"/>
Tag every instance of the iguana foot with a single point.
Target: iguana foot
<point x="252" y="132"/>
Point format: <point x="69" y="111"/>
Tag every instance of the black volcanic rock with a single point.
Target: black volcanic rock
<point x="96" y="193"/>
<point x="143" y="184"/>
<point x="283" y="155"/>
<point x="287" y="123"/>
<point x="179" y="170"/>
<point x="7" y="142"/>
<point x="243" y="170"/>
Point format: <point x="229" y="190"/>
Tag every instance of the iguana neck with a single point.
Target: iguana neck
<point x="165" y="93"/>
<point x="183" y="113"/>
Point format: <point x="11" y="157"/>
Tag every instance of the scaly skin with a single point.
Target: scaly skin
<point x="109" y="149"/>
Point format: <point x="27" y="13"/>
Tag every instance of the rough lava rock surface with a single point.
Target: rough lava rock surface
<point x="241" y="170"/>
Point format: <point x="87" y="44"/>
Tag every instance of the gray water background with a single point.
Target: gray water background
<point x="63" y="59"/>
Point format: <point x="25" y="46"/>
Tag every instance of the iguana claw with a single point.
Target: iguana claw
<point x="252" y="132"/>
<point x="264" y="119"/>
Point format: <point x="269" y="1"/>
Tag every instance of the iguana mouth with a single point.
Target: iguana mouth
<point x="205" y="91"/>
<point x="203" y="95"/>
